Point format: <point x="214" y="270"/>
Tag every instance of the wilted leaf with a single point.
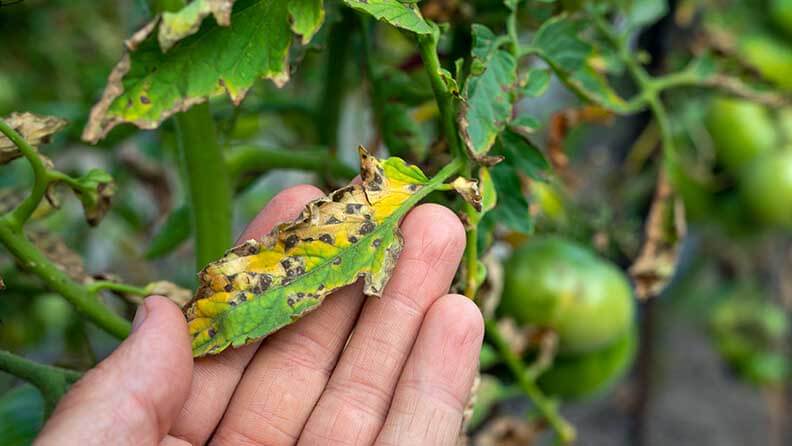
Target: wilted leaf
<point x="399" y="14"/>
<point x="665" y="229"/>
<point x="469" y="190"/>
<point x="95" y="189"/>
<point x="178" y="295"/>
<point x="488" y="96"/>
<point x="263" y="285"/>
<point x="36" y="129"/>
<point x="147" y="86"/>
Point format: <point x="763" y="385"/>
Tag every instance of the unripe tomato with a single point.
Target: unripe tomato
<point x="553" y="283"/>
<point x="771" y="56"/>
<point x="781" y="15"/>
<point x="767" y="188"/>
<point x="750" y="336"/>
<point x="741" y="131"/>
<point x="587" y="374"/>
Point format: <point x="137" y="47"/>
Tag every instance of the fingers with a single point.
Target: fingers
<point x="356" y="400"/>
<point x="216" y="377"/>
<point x="132" y="397"/>
<point x="434" y="388"/>
<point x="288" y="374"/>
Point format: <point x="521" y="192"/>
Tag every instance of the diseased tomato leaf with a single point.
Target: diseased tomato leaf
<point x="263" y="285"/>
<point x="147" y="85"/>
<point x="488" y="95"/>
<point x="35" y="129"/>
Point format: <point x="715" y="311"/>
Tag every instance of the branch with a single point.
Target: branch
<point x="77" y="294"/>
<point x="22" y="213"/>
<point x="52" y="382"/>
<point x="525" y="379"/>
<point x="427" y="44"/>
<point x="207" y="182"/>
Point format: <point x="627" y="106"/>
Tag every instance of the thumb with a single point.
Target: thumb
<point x="132" y="396"/>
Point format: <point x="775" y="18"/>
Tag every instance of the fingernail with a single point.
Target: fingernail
<point x="140" y="316"/>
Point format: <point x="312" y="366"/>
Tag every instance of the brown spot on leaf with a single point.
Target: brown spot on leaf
<point x="327" y="238"/>
<point x="291" y="241"/>
<point x="366" y="228"/>
<point x="145" y="100"/>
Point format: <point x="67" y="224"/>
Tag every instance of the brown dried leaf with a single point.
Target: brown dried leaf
<point x="36" y="129"/>
<point x="178" y="295"/>
<point x="508" y="431"/>
<point x="469" y="190"/>
<point x="665" y="229"/>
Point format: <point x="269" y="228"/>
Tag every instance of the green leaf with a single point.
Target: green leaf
<point x="523" y="155"/>
<point x="536" y="82"/>
<point x="21" y="415"/>
<point x="488" y="96"/>
<point x="512" y="208"/>
<point x="174" y="231"/>
<point x="558" y="43"/>
<point x="148" y="86"/>
<point x="558" y="40"/>
<point x="307" y="17"/>
<point x="641" y="13"/>
<point x="187" y="21"/>
<point x="263" y="285"/>
<point x="401" y="15"/>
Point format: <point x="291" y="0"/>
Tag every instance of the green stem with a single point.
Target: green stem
<point x="52" y="382"/>
<point x="96" y="287"/>
<point x="471" y="257"/>
<point x="427" y="44"/>
<point x="511" y="30"/>
<point x="334" y="80"/>
<point x="22" y="213"/>
<point x="248" y="159"/>
<point x="207" y="182"/>
<point x="78" y="295"/>
<point x="547" y="407"/>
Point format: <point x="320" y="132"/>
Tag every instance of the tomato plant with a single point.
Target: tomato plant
<point x="598" y="153"/>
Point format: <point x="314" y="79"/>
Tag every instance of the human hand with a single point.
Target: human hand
<point x="395" y="370"/>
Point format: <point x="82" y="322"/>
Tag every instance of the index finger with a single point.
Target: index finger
<point x="216" y="377"/>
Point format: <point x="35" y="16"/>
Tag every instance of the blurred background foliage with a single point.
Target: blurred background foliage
<point x="708" y="362"/>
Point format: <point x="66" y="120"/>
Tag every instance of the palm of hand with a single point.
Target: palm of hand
<point x="395" y="370"/>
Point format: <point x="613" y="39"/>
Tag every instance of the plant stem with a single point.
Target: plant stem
<point x="207" y="182"/>
<point x="98" y="286"/>
<point x="22" y="213"/>
<point x="427" y="44"/>
<point x="51" y="381"/>
<point x="334" y="80"/>
<point x="547" y="407"/>
<point x="471" y="260"/>
<point x="78" y="295"/>
<point x="246" y="159"/>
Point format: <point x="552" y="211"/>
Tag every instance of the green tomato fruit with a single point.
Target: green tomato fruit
<point x="771" y="56"/>
<point x="554" y="283"/>
<point x="767" y="188"/>
<point x="589" y="374"/>
<point x="749" y="334"/>
<point x="781" y="15"/>
<point x="741" y="131"/>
